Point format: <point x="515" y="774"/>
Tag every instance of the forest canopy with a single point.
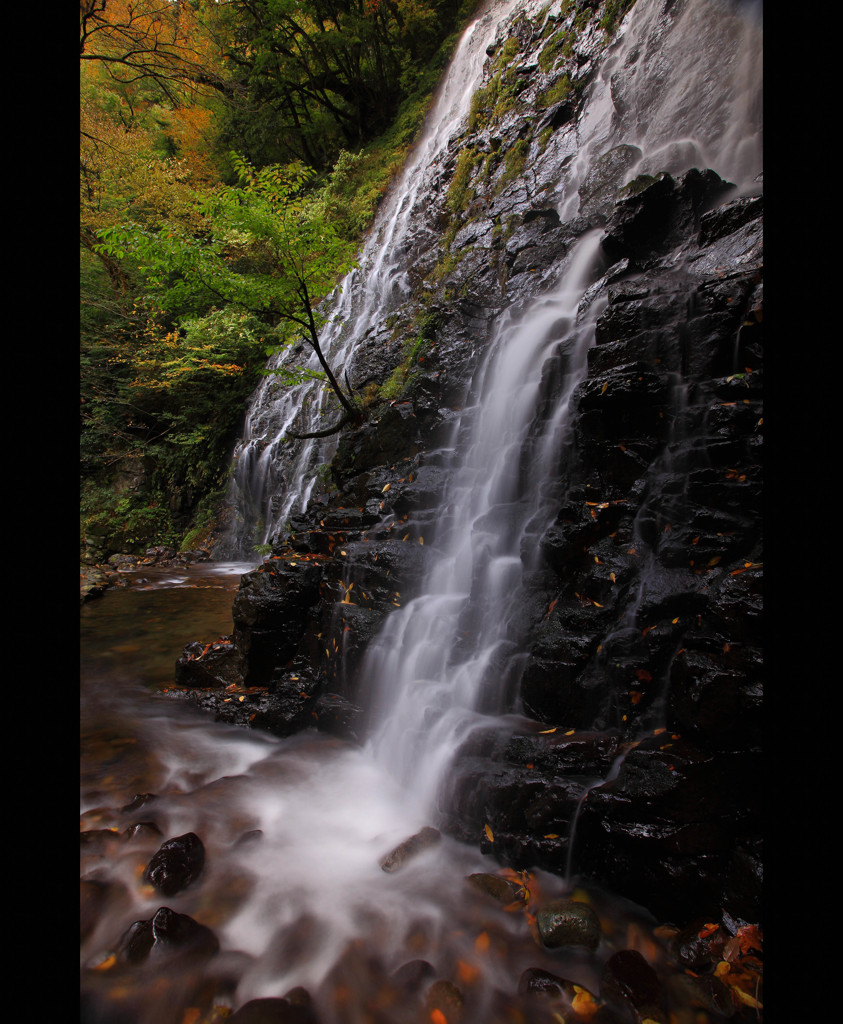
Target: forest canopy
<point x="232" y="153"/>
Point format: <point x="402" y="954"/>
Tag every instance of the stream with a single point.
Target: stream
<point x="294" y="832"/>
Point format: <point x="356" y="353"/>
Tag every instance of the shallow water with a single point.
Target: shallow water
<point x="294" y="831"/>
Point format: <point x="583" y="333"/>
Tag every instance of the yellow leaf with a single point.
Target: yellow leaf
<point x="109" y="961"/>
<point x="745" y="997"/>
<point x="603" y="389"/>
<point x="552" y="835"/>
<point x="241" y="699"/>
<point x="385" y="489"/>
<point x="421" y="540"/>
<point x="583" y="1002"/>
<point x="489" y="834"/>
<point x="544" y="732"/>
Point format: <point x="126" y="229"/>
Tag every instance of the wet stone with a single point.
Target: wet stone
<point x="272" y="1011"/>
<point x="412" y="975"/>
<point x="422" y="840"/>
<point x="179" y="934"/>
<point x="567" y="922"/>
<point x="135" y="943"/>
<point x="177" y="864"/>
<point x="536" y="981"/>
<point x="500" y="889"/>
<point x="445" y="997"/>
<point x="628" y="981"/>
<point x="142" y="830"/>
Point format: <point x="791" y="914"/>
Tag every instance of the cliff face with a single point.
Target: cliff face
<point x="636" y="663"/>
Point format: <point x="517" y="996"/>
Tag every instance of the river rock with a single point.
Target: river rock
<point x="179" y="935"/>
<point x="272" y="1011"/>
<point x="177" y="864"/>
<point x="410" y="848"/>
<point x="500" y="889"/>
<point x="445" y="997"/>
<point x="628" y="982"/>
<point x="566" y="922"/>
<point x="412" y="975"/>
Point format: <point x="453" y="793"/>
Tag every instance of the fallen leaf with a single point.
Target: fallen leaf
<point x="489" y="834"/>
<point x="385" y="488"/>
<point x="749" y="937"/>
<point x="467" y="972"/>
<point x="603" y="389"/>
<point x="745" y="997"/>
<point x="583" y="1002"/>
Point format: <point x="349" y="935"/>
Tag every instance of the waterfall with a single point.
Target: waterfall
<point x="430" y="677"/>
<point x="447" y="662"/>
<point x="274" y="476"/>
<point x="459" y="644"/>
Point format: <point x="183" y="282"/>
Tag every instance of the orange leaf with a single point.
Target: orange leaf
<point x="438" y="1017"/>
<point x="749" y="937"/>
<point x="467" y="972"/>
<point x="489" y="834"/>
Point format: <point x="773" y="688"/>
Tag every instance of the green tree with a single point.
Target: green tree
<point x="266" y="246"/>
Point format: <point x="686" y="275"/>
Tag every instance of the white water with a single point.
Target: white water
<point x="427" y="693"/>
<point x="296" y="902"/>
<point x="263" y="494"/>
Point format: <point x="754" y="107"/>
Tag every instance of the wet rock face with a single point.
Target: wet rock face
<point x="643" y="644"/>
<point x="652" y="612"/>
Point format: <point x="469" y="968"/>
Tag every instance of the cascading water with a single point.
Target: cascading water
<point x="446" y="649"/>
<point x="273" y="475"/>
<point x="308" y="904"/>
<point x="429" y="685"/>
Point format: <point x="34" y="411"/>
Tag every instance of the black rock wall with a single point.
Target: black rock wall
<point x="638" y="760"/>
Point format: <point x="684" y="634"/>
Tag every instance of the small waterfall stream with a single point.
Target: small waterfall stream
<point x="308" y="905"/>
<point x="274" y="476"/>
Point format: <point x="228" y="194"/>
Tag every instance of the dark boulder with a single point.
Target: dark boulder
<point x="629" y="984"/>
<point x="177" y="864"/>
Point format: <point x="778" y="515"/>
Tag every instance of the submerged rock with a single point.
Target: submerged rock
<point x="272" y="1011"/>
<point x="410" y="848"/>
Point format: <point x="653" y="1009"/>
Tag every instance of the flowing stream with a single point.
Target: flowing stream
<point x="295" y="829"/>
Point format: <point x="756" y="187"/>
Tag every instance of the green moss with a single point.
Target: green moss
<point x="613" y="13"/>
<point x="559" y="91"/>
<point x="459" y="194"/>
<point x="514" y="161"/>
